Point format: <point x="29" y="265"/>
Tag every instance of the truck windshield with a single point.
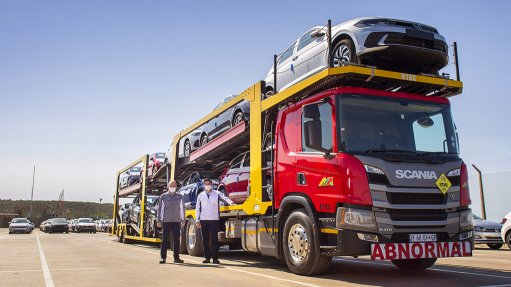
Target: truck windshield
<point x="373" y="124"/>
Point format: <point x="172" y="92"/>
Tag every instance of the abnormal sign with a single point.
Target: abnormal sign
<point x="391" y="251"/>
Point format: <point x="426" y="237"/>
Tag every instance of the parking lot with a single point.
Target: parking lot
<point x="40" y="259"/>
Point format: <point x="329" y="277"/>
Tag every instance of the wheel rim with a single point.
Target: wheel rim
<point x="342" y="55"/>
<point x="298" y="243"/>
<point x="238" y="118"/>
<point x="187" y="149"/>
<point x="192" y="234"/>
<point x="204" y="140"/>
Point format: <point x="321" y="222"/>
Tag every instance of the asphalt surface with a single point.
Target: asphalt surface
<point x="40" y="259"/>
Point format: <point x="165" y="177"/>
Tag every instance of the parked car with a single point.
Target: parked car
<point x="191" y="142"/>
<point x="31" y="225"/>
<point x="391" y="44"/>
<point x="130" y="177"/>
<point x="506" y="230"/>
<point x="487" y="232"/>
<point x="74" y="224"/>
<point x="57" y="225"/>
<point x="19" y="225"/>
<point x="226" y="120"/>
<point x="156" y="161"/>
<point x="107" y="227"/>
<point x="85" y="225"/>
<point x="46" y="225"/>
<point x="42" y="225"/>
<point x="193" y="184"/>
<point x="234" y="180"/>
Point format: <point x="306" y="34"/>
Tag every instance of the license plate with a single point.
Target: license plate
<point x="431" y="237"/>
<point x="393" y="251"/>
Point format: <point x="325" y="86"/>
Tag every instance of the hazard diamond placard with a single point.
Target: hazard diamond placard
<point x="443" y="183"/>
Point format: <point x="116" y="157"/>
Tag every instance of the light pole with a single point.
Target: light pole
<point x="481" y="191"/>
<point x="101" y="199"/>
<point x="32" y="195"/>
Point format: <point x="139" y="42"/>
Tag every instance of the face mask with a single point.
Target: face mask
<point x="208" y="187"/>
<point x="172" y="189"/>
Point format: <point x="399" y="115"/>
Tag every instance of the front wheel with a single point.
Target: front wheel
<point x="414" y="264"/>
<point x="238" y="118"/>
<point x="301" y="251"/>
<point x="203" y="140"/>
<point x="508" y="239"/>
<point x="495" y="246"/>
<point x="188" y="148"/>
<point x="343" y="53"/>
<point x="193" y="239"/>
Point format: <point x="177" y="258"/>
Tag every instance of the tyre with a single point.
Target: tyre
<point x="508" y="239"/>
<point x="301" y="251"/>
<point x="414" y="264"/>
<point x="203" y="140"/>
<point x="187" y="148"/>
<point x="182" y="248"/>
<point x="193" y="239"/>
<point x="343" y="53"/>
<point x="237" y="119"/>
<point x="495" y="246"/>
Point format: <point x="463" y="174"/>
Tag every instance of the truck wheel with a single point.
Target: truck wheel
<point x="414" y="264"/>
<point x="343" y="53"/>
<point x="193" y="239"/>
<point x="301" y="251"/>
<point x="182" y="248"/>
<point x="495" y="246"/>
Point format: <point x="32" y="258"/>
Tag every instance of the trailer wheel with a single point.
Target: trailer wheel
<point x="414" y="264"/>
<point x="193" y="239"/>
<point x="343" y="53"/>
<point x="301" y="251"/>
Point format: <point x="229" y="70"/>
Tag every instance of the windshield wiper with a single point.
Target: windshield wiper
<point x="437" y="153"/>
<point x="379" y="150"/>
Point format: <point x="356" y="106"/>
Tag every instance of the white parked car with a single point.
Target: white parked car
<point x="390" y="44"/>
<point x="506" y="229"/>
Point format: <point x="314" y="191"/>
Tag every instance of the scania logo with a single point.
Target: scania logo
<point x="416" y="174"/>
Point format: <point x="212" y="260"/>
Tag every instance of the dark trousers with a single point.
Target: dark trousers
<point x="209" y="230"/>
<point x="175" y="229"/>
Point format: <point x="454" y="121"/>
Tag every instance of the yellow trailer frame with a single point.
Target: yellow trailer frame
<point x="328" y="78"/>
<point x="121" y="228"/>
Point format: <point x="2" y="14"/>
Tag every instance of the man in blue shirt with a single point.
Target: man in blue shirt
<point x="171" y="216"/>
<point x="208" y="215"/>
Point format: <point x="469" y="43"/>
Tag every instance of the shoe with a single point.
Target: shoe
<point x="215" y="261"/>
<point x="178" y="261"/>
<point x="163" y="261"/>
<point x="206" y="261"/>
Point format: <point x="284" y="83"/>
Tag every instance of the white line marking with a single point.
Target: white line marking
<point x="46" y="270"/>
<point x="63" y="269"/>
<point x="435" y="269"/>
<point x="503" y="285"/>
<point x="228" y="268"/>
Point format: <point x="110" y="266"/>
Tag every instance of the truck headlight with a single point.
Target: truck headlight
<point x="373" y="169"/>
<point x="466" y="220"/>
<point x="356" y="219"/>
<point x="454" y="172"/>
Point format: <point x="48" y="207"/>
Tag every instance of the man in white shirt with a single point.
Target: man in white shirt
<point x="208" y="215"/>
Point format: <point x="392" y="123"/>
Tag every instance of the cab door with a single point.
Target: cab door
<point x="317" y="170"/>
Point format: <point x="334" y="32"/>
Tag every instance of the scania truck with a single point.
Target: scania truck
<point x="352" y="161"/>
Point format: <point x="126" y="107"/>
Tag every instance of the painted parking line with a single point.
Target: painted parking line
<point x="46" y="271"/>
<point x="220" y="266"/>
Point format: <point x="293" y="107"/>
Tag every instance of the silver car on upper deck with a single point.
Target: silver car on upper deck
<point x="390" y="44"/>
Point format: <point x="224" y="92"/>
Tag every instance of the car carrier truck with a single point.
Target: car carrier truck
<point x="352" y="161"/>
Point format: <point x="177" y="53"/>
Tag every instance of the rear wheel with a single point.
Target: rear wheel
<point x="188" y="148"/>
<point x="301" y="251"/>
<point x="237" y="119"/>
<point x="495" y="246"/>
<point x="414" y="264"/>
<point x="508" y="239"/>
<point x="193" y="239"/>
<point x="343" y="53"/>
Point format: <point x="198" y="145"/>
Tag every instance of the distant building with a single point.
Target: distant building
<point x="5" y="218"/>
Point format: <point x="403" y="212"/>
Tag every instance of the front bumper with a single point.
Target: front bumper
<point x="19" y="229"/>
<point x="482" y="237"/>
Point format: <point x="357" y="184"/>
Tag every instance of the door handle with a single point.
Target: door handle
<point x="295" y="58"/>
<point x="301" y="178"/>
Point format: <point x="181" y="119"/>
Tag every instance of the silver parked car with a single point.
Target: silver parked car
<point x="226" y="120"/>
<point x="20" y="225"/>
<point x="190" y="142"/>
<point x="390" y="44"/>
<point x="487" y="232"/>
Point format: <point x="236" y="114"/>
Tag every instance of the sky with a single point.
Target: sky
<point x="86" y="87"/>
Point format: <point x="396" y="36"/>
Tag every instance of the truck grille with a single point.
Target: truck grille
<point x="417" y="215"/>
<point x="416" y="198"/>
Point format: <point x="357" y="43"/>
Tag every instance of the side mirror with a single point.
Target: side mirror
<point x="9" y="222"/>
<point x="317" y="33"/>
